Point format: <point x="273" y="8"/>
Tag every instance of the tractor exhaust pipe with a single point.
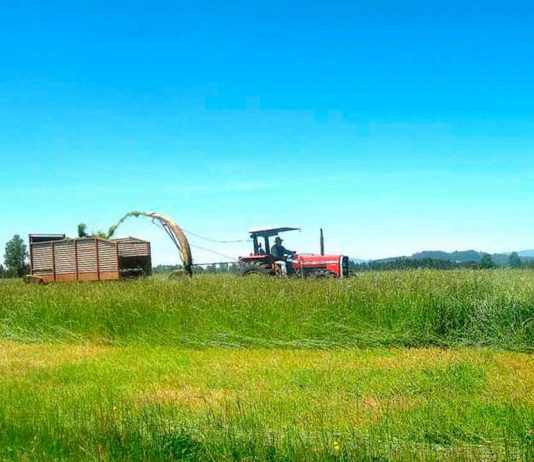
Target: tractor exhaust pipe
<point x="322" y="242"/>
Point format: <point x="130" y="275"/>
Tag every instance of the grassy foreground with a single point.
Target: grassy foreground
<point x="136" y="403"/>
<point x="417" y="365"/>
<point x="413" y="308"/>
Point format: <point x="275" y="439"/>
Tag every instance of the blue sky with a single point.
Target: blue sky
<point x="396" y="126"/>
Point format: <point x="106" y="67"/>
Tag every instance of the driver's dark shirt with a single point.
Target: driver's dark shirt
<point x="279" y="251"/>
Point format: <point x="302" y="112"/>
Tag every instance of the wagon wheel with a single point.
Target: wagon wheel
<point x="32" y="279"/>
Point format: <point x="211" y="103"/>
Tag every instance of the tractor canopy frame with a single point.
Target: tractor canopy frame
<point x="266" y="233"/>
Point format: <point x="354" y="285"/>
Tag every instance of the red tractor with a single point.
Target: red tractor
<point x="316" y="266"/>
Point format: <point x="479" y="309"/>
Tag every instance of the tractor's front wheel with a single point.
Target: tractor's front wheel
<point x="255" y="267"/>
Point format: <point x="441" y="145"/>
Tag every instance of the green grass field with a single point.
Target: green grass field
<point x="417" y="365"/>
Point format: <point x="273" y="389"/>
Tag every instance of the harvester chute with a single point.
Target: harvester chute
<point x="176" y="234"/>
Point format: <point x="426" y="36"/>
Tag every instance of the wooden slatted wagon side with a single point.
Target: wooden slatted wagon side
<point x="55" y="258"/>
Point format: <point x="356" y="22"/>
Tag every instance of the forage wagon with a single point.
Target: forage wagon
<point x="55" y="257"/>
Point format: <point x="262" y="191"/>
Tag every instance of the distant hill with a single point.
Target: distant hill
<point x="463" y="256"/>
<point x="358" y="260"/>
<point x="459" y="256"/>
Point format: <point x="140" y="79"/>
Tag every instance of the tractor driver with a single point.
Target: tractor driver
<point x="279" y="252"/>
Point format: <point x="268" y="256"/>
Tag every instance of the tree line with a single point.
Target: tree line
<point x="486" y="262"/>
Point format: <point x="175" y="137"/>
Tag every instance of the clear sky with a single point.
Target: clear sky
<point x="397" y="126"/>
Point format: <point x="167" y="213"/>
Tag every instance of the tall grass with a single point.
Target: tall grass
<point x="405" y="308"/>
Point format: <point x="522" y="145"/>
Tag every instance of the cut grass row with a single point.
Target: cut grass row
<point x="95" y="402"/>
<point x="410" y="308"/>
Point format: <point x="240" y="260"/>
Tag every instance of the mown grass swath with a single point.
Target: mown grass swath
<point x="139" y="403"/>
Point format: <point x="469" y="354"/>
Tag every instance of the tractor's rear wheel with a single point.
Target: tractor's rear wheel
<point x="320" y="274"/>
<point x="255" y="267"/>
